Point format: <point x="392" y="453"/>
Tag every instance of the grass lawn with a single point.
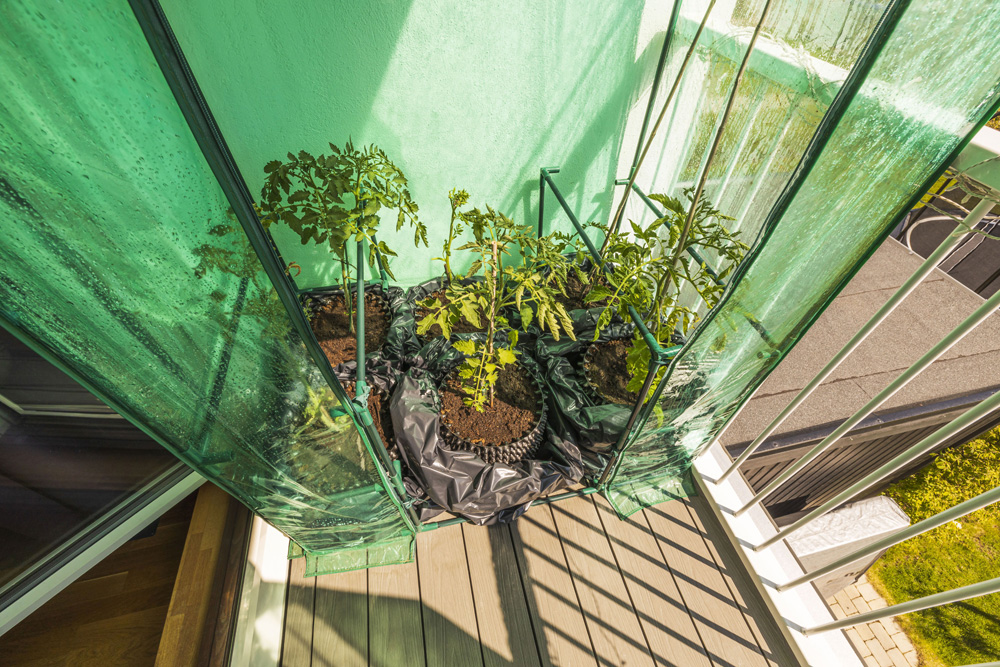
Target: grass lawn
<point x="962" y="552"/>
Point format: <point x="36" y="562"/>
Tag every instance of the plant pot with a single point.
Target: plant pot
<point x="504" y="452"/>
<point x="329" y="323"/>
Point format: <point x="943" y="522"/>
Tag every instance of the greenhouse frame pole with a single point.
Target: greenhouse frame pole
<point x="175" y="69"/>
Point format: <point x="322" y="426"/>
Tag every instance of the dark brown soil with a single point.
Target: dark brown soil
<point x="333" y="331"/>
<point x="512" y="416"/>
<point x="608" y="371"/>
<point x="378" y="405"/>
<point x="576" y="291"/>
<point x="463" y="326"/>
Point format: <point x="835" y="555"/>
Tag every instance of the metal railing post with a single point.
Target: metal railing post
<point x="925" y="446"/>
<point x="948" y="515"/>
<point x="907" y="288"/>
<point x="936" y="600"/>
<point x="954" y="336"/>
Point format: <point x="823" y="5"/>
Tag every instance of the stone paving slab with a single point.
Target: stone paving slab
<point x="879" y="643"/>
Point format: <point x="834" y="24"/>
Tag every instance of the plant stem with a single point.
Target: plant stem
<point x="491" y="329"/>
<point x="447" y="245"/>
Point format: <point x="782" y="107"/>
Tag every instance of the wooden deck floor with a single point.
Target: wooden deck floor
<point x="568" y="584"/>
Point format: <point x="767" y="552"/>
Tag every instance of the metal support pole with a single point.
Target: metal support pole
<point x="958" y="333"/>
<point x="887" y="309"/>
<point x="956" y="512"/>
<point x="360" y="392"/>
<point x="617" y="220"/>
<point x="651" y="205"/>
<point x="943" y="434"/>
<point x="541" y="203"/>
<point x="656" y="351"/>
<point x="936" y="600"/>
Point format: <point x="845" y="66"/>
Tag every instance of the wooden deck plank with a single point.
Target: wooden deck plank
<point x="560" y="629"/>
<point x="614" y="627"/>
<point x="396" y="633"/>
<point x="505" y="627"/>
<point x="695" y="507"/>
<point x="451" y="634"/>
<point x="296" y="645"/>
<point x="721" y="625"/>
<point x="340" y="624"/>
<point x="673" y="638"/>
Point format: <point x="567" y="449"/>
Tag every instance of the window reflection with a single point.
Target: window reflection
<point x="66" y="459"/>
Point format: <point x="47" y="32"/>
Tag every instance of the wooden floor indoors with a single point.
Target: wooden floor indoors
<point x="568" y="584"/>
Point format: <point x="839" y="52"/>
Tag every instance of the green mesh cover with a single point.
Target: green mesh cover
<point x="122" y="261"/>
<point x="920" y="100"/>
<point x="400" y="550"/>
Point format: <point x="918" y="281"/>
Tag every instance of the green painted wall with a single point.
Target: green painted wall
<point x="475" y="95"/>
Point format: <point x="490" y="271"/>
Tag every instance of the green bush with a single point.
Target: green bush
<point x="957" y="554"/>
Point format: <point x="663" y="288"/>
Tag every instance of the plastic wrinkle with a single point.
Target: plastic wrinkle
<point x="461" y="482"/>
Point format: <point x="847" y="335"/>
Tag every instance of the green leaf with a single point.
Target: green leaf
<point x="466" y="347"/>
<point x="597" y="293"/>
<point x="425" y="324"/>
<point x="470" y="312"/>
<point x="505" y="356"/>
<point x="526" y="315"/>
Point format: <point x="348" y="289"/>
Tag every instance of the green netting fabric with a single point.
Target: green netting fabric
<point x="920" y="100"/>
<point x="459" y="94"/>
<point x="121" y="259"/>
<point x="400" y="550"/>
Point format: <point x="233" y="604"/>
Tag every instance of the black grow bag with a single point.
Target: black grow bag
<point x="577" y="414"/>
<point x="400" y="338"/>
<point x="461" y="481"/>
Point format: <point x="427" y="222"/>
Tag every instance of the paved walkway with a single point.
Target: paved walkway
<point x="880" y="643"/>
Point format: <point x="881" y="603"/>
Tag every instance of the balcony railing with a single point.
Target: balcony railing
<point x="759" y="540"/>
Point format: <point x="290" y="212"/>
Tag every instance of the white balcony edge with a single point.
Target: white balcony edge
<point x="802" y="606"/>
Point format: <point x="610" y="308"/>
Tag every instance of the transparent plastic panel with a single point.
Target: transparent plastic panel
<point x="801" y="58"/>
<point x="122" y="259"/>
<point x="921" y="99"/>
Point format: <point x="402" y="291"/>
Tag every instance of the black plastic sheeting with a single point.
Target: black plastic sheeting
<point x="576" y="413"/>
<point x="460" y="481"/>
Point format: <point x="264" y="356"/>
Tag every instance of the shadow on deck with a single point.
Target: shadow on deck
<point x="568" y="584"/>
